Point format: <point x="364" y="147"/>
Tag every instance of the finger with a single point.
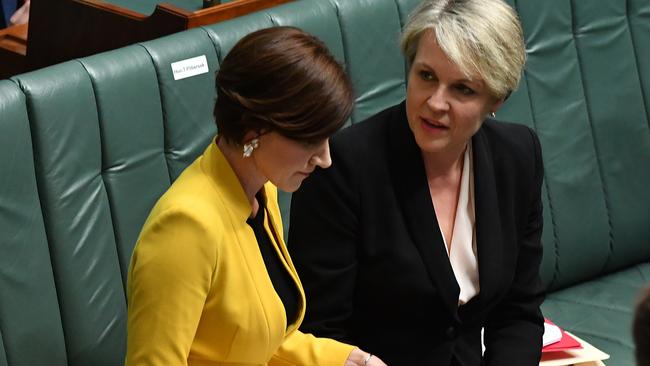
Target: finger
<point x="20" y="16"/>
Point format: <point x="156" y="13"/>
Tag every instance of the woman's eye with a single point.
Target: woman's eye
<point x="312" y="145"/>
<point x="465" y="90"/>
<point x="426" y="75"/>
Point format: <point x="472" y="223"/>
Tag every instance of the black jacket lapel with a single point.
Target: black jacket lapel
<point x="489" y="235"/>
<point x="411" y="188"/>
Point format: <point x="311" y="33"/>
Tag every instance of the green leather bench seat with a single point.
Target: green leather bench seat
<point x="89" y="145"/>
<point x="599" y="310"/>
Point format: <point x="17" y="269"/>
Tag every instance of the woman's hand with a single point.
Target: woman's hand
<point x="21" y="16"/>
<point x="360" y="358"/>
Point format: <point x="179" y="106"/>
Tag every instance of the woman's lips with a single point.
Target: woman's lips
<point x="432" y="125"/>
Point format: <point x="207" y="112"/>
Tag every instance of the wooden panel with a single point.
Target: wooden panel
<point x="14" y="39"/>
<point x="61" y="30"/>
<point x="220" y="12"/>
<point x="13" y="50"/>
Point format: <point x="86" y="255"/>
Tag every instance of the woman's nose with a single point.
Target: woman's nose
<point x="322" y="158"/>
<point x="437" y="100"/>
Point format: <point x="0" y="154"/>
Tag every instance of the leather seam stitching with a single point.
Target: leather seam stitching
<point x="556" y="245"/>
<point x="636" y="60"/>
<point x="166" y="154"/>
<point x="593" y="139"/>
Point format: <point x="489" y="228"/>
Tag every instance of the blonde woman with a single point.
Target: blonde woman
<point x="428" y="225"/>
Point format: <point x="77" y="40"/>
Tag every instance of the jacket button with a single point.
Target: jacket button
<point x="451" y="332"/>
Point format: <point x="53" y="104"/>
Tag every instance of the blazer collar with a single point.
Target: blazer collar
<point x="489" y="234"/>
<point x="215" y="165"/>
<point x="412" y="190"/>
<point x="217" y="168"/>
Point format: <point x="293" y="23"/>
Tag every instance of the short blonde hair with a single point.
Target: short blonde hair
<point x="483" y="37"/>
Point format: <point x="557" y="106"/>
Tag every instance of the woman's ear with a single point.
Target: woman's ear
<point x="497" y="104"/>
<point x="249" y="135"/>
<point x="254" y="134"/>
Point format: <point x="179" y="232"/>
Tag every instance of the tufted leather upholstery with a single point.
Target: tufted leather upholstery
<point x="585" y="91"/>
<point x="89" y="145"/>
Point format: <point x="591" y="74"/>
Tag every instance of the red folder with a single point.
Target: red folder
<point x="566" y="343"/>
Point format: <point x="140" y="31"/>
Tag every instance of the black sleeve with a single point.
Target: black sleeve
<point x="514" y="329"/>
<point x="323" y="237"/>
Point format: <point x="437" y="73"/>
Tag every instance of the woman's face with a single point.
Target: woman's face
<point x="444" y="108"/>
<point x="286" y="162"/>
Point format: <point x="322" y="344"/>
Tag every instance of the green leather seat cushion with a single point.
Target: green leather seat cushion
<point x="601" y="311"/>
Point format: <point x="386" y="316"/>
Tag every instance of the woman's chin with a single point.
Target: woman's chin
<point x="290" y="187"/>
<point x="431" y="146"/>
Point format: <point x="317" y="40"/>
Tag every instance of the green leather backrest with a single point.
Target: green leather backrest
<point x="70" y="167"/>
<point x="370" y="31"/>
<point x="111" y="133"/>
<point x="585" y="92"/>
<point x="133" y="168"/>
<point x="29" y="311"/>
<point x="187" y="104"/>
<point x="89" y="146"/>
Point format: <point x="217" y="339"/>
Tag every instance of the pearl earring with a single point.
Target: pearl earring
<point x="493" y="115"/>
<point x="250" y="146"/>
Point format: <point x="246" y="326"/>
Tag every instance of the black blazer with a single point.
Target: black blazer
<point x="368" y="249"/>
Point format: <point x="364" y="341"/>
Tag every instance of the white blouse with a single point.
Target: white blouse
<point x="463" y="255"/>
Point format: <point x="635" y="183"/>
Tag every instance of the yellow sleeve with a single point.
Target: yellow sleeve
<point x="169" y="280"/>
<point x="300" y="349"/>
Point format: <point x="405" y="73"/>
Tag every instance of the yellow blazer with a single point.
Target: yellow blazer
<point x="198" y="290"/>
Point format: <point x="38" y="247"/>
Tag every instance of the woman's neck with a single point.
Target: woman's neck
<point x="444" y="165"/>
<point x="246" y="171"/>
<point x="444" y="173"/>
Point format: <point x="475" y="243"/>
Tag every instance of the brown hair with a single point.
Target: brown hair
<point x="641" y="329"/>
<point x="283" y="80"/>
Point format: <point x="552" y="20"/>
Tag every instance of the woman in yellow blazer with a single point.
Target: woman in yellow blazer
<point x="211" y="281"/>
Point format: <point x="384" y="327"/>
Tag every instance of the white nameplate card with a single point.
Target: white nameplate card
<point x="190" y="67"/>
